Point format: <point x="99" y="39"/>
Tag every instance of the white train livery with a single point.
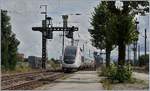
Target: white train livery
<point x="72" y="58"/>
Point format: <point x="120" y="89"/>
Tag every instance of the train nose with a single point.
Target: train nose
<point x="68" y="61"/>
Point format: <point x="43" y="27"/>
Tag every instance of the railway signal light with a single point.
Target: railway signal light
<point x="49" y="34"/>
<point x="70" y="33"/>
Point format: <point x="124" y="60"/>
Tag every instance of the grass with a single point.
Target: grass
<point x="108" y="84"/>
<point x="23" y="67"/>
<point x="53" y="65"/>
<point x="20" y="68"/>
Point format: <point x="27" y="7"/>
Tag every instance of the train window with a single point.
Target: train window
<point x="81" y="50"/>
<point x="70" y="52"/>
<point x="69" y="57"/>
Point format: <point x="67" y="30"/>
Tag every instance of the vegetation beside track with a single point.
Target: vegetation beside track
<point x="54" y="64"/>
<point x="124" y="80"/>
<point x="134" y="84"/>
<point x="21" y="67"/>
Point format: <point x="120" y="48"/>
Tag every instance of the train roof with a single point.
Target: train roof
<point x="88" y="58"/>
<point x="71" y="47"/>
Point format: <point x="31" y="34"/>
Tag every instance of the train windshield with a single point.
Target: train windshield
<point x="70" y="53"/>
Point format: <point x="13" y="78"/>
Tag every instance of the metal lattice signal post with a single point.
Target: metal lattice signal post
<point x="65" y="23"/>
<point x="68" y="34"/>
<point x="44" y="41"/>
<point x="44" y="57"/>
<point x="47" y="33"/>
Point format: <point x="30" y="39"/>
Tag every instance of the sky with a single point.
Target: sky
<point x="25" y="14"/>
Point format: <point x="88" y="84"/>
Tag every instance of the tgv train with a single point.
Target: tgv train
<point x="72" y="58"/>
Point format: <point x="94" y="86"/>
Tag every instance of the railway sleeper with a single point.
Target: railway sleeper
<point x="29" y="85"/>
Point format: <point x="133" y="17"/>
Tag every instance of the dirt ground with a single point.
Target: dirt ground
<point x="81" y="80"/>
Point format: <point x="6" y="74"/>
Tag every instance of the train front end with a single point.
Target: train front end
<point x="71" y="59"/>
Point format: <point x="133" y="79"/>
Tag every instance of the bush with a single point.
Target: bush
<point x="23" y="67"/>
<point x="20" y="67"/>
<point x="108" y="72"/>
<point x="118" y="73"/>
<point x="123" y="73"/>
<point x="112" y="70"/>
<point x="53" y="65"/>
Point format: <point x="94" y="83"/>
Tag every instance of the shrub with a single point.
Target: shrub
<point x="118" y="73"/>
<point x="108" y="71"/>
<point x="112" y="70"/>
<point x="53" y="65"/>
<point x="23" y="67"/>
<point x="123" y="73"/>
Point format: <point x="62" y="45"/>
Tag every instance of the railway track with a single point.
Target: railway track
<point x="29" y="81"/>
<point x="18" y="75"/>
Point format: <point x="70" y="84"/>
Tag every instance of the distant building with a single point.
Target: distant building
<point x="20" y="56"/>
<point x="34" y="62"/>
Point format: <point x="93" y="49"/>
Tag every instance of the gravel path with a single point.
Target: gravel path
<point x="81" y="80"/>
<point x="141" y="76"/>
<point x="134" y="86"/>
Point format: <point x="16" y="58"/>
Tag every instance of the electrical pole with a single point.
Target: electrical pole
<point x="89" y="52"/>
<point x="135" y="44"/>
<point x="65" y="23"/>
<point x="72" y="41"/>
<point x="138" y="52"/>
<point x="83" y="48"/>
<point x="145" y="42"/>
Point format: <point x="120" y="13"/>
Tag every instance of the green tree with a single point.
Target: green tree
<point x="125" y="28"/>
<point x="9" y="43"/>
<point x="126" y="34"/>
<point x="115" y="27"/>
<point x="102" y="34"/>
